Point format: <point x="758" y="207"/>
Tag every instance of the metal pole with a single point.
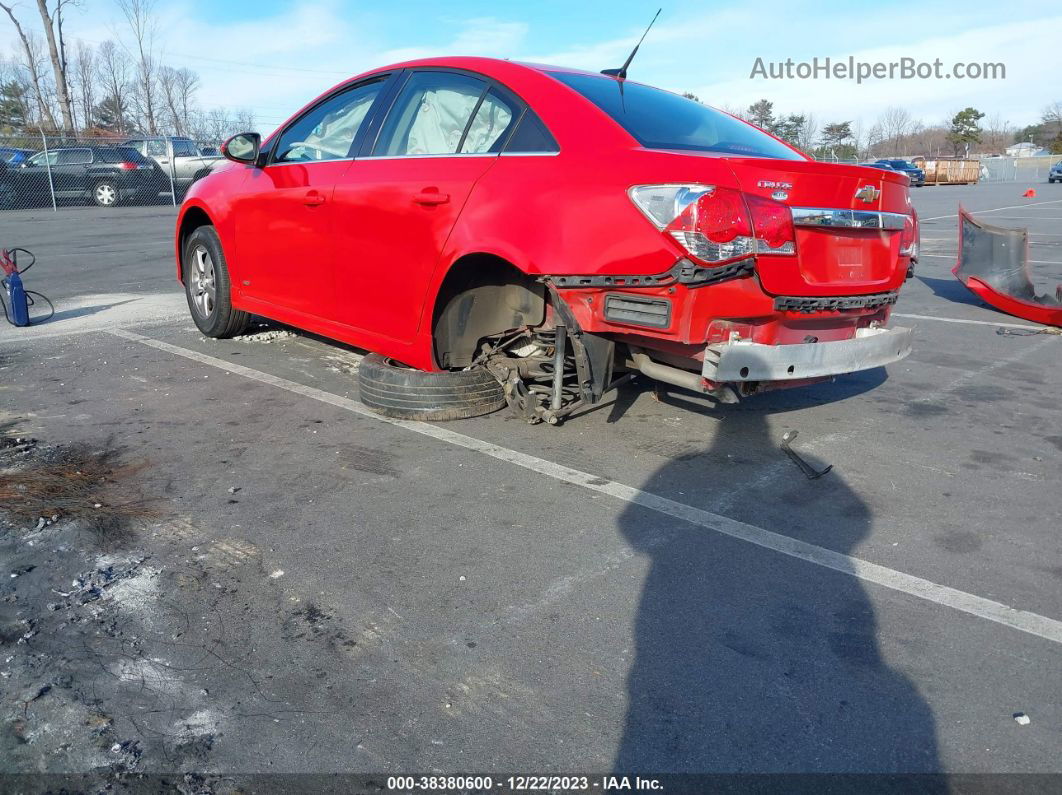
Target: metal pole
<point x="173" y="173"/>
<point x="560" y="349"/>
<point x="48" y="168"/>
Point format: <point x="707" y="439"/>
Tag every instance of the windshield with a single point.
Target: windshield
<point x="661" y="120"/>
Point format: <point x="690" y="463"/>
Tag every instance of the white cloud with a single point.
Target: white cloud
<point x="275" y="63"/>
<point x="1028" y="49"/>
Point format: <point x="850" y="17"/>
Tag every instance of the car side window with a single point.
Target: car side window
<point x="156" y="148"/>
<point x="184" y="149"/>
<point x="74" y="157"/>
<point x="531" y="136"/>
<point x="42" y="159"/>
<point x="490" y="125"/>
<point x="327" y="131"/>
<point x="431" y="114"/>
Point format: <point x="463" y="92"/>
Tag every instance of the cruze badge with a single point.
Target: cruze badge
<point x="767" y="183"/>
<point x="868" y="194"/>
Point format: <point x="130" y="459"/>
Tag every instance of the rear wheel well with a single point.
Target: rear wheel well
<point x="481" y="296"/>
<point x="192" y="220"/>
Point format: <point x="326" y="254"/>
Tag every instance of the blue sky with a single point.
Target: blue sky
<point x="273" y="55"/>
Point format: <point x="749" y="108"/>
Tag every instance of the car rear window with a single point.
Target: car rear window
<point x="661" y="120"/>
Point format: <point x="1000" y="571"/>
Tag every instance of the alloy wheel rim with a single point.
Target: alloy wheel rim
<point x="105" y="194"/>
<point x="204" y="286"/>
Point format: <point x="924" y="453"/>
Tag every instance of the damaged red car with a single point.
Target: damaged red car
<point x="496" y="232"/>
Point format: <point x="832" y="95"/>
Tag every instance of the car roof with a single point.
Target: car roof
<point x="569" y="121"/>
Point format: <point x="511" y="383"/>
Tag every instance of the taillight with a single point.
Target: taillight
<point x="909" y="236"/>
<point x="129" y="166"/>
<point x="773" y="223"/>
<point x="717" y="225"/>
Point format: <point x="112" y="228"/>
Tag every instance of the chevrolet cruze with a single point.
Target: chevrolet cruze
<point x="496" y="232"/>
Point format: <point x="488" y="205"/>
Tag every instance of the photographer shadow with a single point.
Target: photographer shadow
<point x="748" y="660"/>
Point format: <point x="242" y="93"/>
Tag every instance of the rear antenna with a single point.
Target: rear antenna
<point x="621" y="73"/>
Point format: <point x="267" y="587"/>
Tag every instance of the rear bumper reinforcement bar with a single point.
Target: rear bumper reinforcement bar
<point x="742" y="361"/>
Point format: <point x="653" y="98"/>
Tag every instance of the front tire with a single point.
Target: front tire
<point x="207" y="286"/>
<point x="394" y="390"/>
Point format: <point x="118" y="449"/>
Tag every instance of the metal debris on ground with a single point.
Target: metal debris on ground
<point x="805" y="467"/>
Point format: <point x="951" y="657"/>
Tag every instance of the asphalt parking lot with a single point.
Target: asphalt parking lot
<point x="651" y="587"/>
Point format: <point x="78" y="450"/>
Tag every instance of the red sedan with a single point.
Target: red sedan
<point x="500" y="232"/>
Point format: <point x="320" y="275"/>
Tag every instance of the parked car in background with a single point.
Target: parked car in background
<point x="13" y="156"/>
<point x="178" y="157"/>
<point x="104" y="175"/>
<point x="1055" y="174"/>
<point x="497" y="233"/>
<point x="10" y="157"/>
<point x="913" y="172"/>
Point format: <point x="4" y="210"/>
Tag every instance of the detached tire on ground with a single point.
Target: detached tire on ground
<point x="395" y="390"/>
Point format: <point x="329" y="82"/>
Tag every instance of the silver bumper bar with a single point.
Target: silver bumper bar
<point x="752" y="361"/>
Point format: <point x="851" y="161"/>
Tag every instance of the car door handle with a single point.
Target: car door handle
<point x="431" y="196"/>
<point x="313" y="198"/>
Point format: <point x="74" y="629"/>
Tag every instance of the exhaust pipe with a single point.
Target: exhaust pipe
<point x="639" y="360"/>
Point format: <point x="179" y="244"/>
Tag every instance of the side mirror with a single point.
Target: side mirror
<point x="243" y="148"/>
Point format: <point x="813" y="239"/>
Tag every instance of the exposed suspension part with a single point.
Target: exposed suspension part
<point x="537" y="369"/>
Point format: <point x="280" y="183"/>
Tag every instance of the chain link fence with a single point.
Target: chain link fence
<point x="53" y="172"/>
<point x="1017" y="169"/>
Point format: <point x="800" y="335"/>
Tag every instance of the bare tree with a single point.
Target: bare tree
<point x="187" y="86"/>
<point x="112" y="70"/>
<point x="50" y="20"/>
<point x="31" y="52"/>
<point x="1053" y="115"/>
<point x="998" y="134"/>
<point x="875" y="135"/>
<point x="807" y="133"/>
<point x="895" y="123"/>
<point x="168" y="85"/>
<point x="83" y="82"/>
<point x="139" y="14"/>
<point x="217" y="124"/>
<point x="859" y="139"/>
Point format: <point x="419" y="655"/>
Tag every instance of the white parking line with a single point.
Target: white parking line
<point x="993" y="210"/>
<point x="968" y="322"/>
<point x="1021" y="620"/>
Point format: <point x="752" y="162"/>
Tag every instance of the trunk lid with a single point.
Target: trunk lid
<point x="829" y="260"/>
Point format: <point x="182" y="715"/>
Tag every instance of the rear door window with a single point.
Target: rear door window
<point x="432" y="113"/>
<point x="658" y="119"/>
<point x="184" y="149"/>
<point x="491" y="123"/>
<point x="74" y="157"/>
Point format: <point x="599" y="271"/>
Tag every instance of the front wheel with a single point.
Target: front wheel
<point x="394" y="390"/>
<point x="207" y="286"/>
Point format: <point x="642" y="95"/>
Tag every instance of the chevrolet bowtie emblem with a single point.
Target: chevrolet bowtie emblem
<point x="868" y="194"/>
